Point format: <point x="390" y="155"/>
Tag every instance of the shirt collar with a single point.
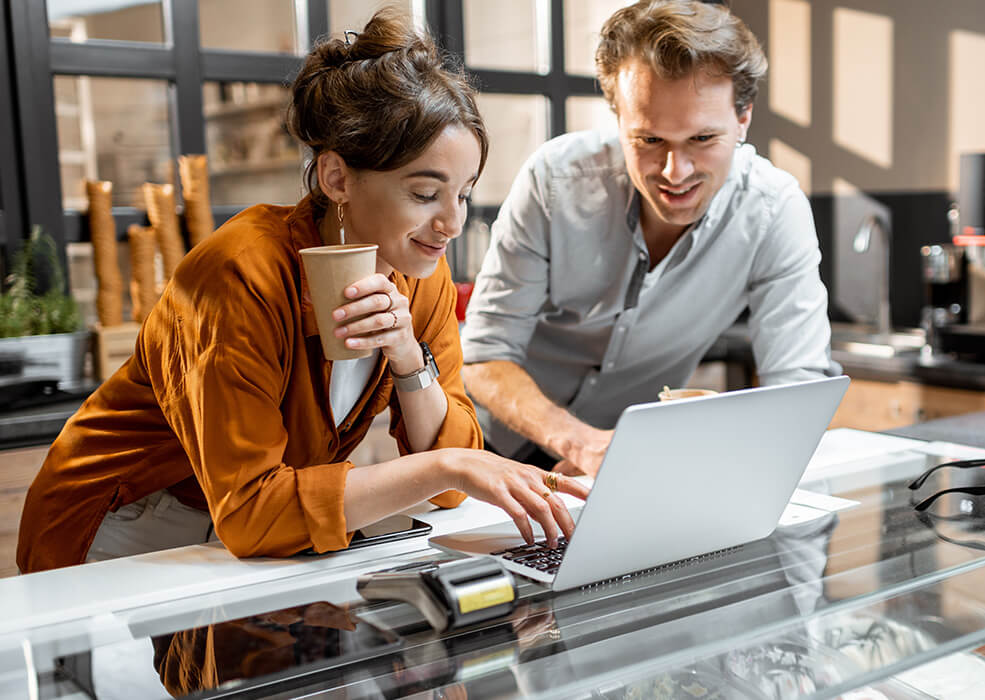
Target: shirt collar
<point x="718" y="203"/>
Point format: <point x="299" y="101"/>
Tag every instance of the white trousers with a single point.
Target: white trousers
<point x="155" y="522"/>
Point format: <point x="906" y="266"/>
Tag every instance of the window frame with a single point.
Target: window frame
<point x="30" y="190"/>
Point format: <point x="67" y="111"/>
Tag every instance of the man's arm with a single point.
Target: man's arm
<point x="788" y="318"/>
<point x="513" y="398"/>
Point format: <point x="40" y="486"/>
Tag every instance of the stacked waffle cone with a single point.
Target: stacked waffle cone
<point x="164" y="222"/>
<point x="102" y="233"/>
<point x="163" y="234"/>
<point x="143" y="288"/>
<point x="194" y="173"/>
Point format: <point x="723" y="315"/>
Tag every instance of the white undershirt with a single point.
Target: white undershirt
<point x="349" y="379"/>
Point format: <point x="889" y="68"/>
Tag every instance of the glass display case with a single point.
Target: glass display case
<point x="861" y="603"/>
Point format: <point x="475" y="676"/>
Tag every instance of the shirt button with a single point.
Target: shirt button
<point x="610" y="365"/>
<point x="642" y="256"/>
<point x="620" y="329"/>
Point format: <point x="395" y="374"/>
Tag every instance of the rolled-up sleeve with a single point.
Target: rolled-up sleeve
<point x="511" y="288"/>
<point x="221" y="379"/>
<point x="432" y="305"/>
<point x="788" y="303"/>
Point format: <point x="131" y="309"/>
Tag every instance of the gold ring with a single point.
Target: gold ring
<point x="546" y="494"/>
<point x="392" y="313"/>
<point x="550" y="481"/>
<point x="389" y="302"/>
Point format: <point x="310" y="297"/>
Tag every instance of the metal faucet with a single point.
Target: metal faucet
<point x="860" y="243"/>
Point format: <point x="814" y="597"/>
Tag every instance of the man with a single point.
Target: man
<point x="617" y="260"/>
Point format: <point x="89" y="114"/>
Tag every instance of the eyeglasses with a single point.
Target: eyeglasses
<point x="950" y="477"/>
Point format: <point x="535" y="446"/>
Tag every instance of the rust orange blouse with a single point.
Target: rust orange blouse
<point x="225" y="404"/>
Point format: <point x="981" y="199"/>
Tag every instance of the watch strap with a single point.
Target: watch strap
<point x="418" y="379"/>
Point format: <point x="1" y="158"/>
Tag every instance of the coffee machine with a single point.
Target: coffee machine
<point x="953" y="315"/>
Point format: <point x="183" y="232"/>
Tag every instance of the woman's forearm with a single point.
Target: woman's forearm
<point x="378" y="490"/>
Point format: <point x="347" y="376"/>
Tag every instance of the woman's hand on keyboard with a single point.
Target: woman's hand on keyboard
<point x="519" y="489"/>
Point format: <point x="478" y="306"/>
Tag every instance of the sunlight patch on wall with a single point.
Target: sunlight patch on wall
<point x="793" y="161"/>
<point x="790" y="60"/>
<point x="863" y="84"/>
<point x="967" y="98"/>
<point x="843" y="188"/>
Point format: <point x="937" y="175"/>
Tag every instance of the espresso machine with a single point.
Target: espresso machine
<point x="953" y="315"/>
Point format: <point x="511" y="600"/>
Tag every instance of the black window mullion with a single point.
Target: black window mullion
<point x="11" y="221"/>
<point x="581" y="85"/>
<point x="503" y="81"/>
<point x="232" y="66"/>
<point x="36" y="115"/>
<point x="117" y="59"/>
<point x="318" y="24"/>
<point x="182" y="33"/>
<point x="446" y="19"/>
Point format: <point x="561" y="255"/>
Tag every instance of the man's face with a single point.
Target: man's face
<point x="679" y="137"/>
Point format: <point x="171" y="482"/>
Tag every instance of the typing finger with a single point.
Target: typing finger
<point x="561" y="515"/>
<point x="536" y="504"/>
<point x="519" y="516"/>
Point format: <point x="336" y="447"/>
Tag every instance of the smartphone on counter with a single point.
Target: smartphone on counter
<point x="390" y="529"/>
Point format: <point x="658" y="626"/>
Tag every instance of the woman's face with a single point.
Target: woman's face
<point x="412" y="212"/>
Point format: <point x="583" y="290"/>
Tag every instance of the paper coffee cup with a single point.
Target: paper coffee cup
<point x="673" y="394"/>
<point x="329" y="269"/>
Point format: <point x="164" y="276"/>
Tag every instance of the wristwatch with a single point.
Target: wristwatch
<point x="419" y="379"/>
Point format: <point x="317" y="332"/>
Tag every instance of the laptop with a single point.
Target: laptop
<point x="680" y="480"/>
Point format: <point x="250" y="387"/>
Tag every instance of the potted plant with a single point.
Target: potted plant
<point x="41" y="333"/>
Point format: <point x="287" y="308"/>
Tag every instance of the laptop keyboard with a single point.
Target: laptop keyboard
<point x="537" y="555"/>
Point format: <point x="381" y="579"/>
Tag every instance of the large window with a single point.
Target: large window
<point x="119" y="89"/>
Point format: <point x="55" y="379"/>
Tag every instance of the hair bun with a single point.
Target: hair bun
<point x="378" y="99"/>
<point x="332" y="54"/>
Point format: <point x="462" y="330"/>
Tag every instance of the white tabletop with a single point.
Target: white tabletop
<point x="100" y="596"/>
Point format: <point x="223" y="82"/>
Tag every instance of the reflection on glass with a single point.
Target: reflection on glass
<point x="252" y="157"/>
<point x="508" y="35"/>
<point x="354" y="14"/>
<point x="589" y="113"/>
<point x="249" y="25"/>
<point x="582" y="21"/>
<point x="793" y="161"/>
<point x="863" y="84"/>
<point x="121" y="20"/>
<point x="967" y="99"/>
<point x="111" y="129"/>
<point x="790" y="59"/>
<point x="517" y="124"/>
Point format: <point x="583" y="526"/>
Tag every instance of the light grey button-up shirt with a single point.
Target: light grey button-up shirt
<point x="566" y="290"/>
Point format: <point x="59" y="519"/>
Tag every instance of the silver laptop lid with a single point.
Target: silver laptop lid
<point x="684" y="478"/>
<point x="692" y="476"/>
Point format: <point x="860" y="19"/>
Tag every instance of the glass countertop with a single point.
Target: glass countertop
<point x="848" y="600"/>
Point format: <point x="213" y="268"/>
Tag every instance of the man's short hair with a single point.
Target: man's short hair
<point x="676" y="37"/>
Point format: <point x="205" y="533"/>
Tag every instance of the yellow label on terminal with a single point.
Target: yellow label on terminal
<point x="485" y="594"/>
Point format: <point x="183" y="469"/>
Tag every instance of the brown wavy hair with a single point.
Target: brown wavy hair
<point x="677" y="37"/>
<point x="380" y="99"/>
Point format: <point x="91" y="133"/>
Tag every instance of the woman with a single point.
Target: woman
<point x="229" y="416"/>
